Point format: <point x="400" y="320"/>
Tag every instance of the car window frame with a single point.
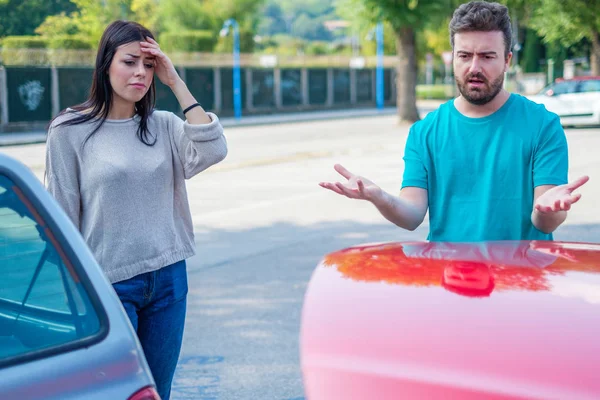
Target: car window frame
<point x="72" y="263"/>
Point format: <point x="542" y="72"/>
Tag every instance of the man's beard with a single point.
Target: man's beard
<point x="480" y="95"/>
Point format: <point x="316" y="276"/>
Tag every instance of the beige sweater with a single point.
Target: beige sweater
<point x="127" y="199"/>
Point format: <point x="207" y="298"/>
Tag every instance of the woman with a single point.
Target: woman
<point x="118" y="168"/>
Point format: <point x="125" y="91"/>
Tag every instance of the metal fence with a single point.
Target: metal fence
<point x="34" y="94"/>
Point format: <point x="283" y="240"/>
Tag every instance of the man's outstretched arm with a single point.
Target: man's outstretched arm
<point x="406" y="211"/>
<point x="552" y="203"/>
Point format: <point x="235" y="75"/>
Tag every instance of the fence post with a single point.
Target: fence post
<point x="394" y="86"/>
<point x="277" y="88"/>
<point x="353" y="87"/>
<point x="217" y="90"/>
<point x="249" y="91"/>
<point x="54" y="83"/>
<point x="374" y="85"/>
<point x="304" y="85"/>
<point x="3" y="97"/>
<point x="330" y="87"/>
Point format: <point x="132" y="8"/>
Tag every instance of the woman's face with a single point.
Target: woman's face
<point x="130" y="74"/>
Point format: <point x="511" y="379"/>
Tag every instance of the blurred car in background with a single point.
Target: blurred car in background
<point x="491" y="320"/>
<point x="576" y="101"/>
<point x="63" y="331"/>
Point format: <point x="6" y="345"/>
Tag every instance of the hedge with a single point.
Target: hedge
<point x="225" y="44"/>
<point x="188" y="41"/>
<point x="24" y="42"/>
<point x="70" y="42"/>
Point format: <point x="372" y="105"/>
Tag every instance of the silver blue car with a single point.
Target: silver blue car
<point x="63" y="332"/>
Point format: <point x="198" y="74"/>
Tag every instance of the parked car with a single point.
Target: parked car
<point x="496" y="320"/>
<point x="576" y="101"/>
<point x="63" y="332"/>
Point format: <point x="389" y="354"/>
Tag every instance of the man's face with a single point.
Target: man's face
<point x="479" y="65"/>
<point x="468" y="275"/>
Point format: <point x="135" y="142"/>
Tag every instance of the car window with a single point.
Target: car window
<point x="42" y="301"/>
<point x="564" y="87"/>
<point x="589" y="86"/>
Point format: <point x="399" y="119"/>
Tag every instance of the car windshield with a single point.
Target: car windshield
<point x="42" y="301"/>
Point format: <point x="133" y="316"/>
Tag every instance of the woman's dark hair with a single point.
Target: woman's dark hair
<point x="100" y="99"/>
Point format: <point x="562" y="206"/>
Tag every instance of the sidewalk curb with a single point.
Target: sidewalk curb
<point x="36" y="137"/>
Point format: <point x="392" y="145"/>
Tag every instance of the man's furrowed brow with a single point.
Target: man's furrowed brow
<point x="479" y="53"/>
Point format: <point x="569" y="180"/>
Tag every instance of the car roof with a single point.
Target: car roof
<point x="578" y="78"/>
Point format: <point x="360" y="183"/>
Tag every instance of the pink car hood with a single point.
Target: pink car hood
<point x="501" y="320"/>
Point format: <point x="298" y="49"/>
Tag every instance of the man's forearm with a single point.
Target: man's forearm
<point x="548" y="222"/>
<point x="399" y="211"/>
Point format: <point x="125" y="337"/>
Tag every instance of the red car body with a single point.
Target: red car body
<point x="498" y="320"/>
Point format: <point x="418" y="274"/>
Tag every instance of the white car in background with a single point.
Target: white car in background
<point x="576" y="101"/>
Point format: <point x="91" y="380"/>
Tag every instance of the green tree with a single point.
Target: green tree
<point x="437" y="38"/>
<point x="304" y="19"/>
<point x="407" y="18"/>
<point x="89" y="20"/>
<point x="273" y="20"/>
<point x="368" y="43"/>
<point x="310" y="28"/>
<point x="21" y="17"/>
<point x="533" y="50"/>
<point x="146" y="12"/>
<point x="313" y="8"/>
<point x="247" y="13"/>
<point x="568" y="22"/>
<point x="185" y="15"/>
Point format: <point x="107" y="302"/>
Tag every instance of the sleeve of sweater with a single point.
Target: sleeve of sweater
<point x="198" y="146"/>
<point x="62" y="173"/>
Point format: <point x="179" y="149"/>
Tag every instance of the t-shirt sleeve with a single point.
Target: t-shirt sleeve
<point x="551" y="156"/>
<point x="415" y="173"/>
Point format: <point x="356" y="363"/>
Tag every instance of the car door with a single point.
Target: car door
<point x="560" y="98"/>
<point x="587" y="99"/>
<point x="63" y="332"/>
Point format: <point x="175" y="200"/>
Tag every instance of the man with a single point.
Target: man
<point x="489" y="165"/>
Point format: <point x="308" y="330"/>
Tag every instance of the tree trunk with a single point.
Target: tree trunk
<point x="406" y="77"/>
<point x="595" y="56"/>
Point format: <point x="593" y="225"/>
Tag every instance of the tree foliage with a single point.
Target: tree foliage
<point x="88" y="20"/>
<point x="22" y="17"/>
<point x="566" y="21"/>
<point x="399" y="14"/>
<point x="408" y="18"/>
<point x="182" y="15"/>
<point x="304" y="20"/>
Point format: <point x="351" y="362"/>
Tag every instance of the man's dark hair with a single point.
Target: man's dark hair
<point x="481" y="16"/>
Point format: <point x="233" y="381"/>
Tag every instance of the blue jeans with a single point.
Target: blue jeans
<point x="156" y="303"/>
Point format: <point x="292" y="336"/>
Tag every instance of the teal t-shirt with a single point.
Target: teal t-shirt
<point x="480" y="173"/>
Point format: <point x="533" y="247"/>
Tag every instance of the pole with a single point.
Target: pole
<point x="379" y="71"/>
<point x="237" y="84"/>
